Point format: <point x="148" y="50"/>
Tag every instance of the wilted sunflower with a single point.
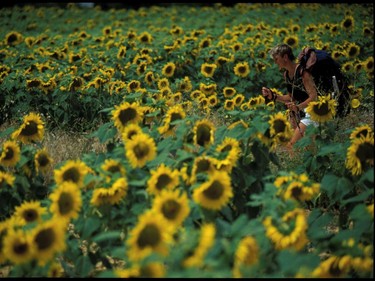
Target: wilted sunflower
<point x="140" y="150"/>
<point x="360" y="154"/>
<point x="17" y="246"/>
<point x="216" y="192"/>
<point x="169" y="69"/>
<point x="290" y="232"/>
<point x="322" y="110"/>
<point x="208" y="69"/>
<point x="242" y="69"/>
<point x="43" y="161"/>
<point x="48" y="239"/>
<point x="10" y="154"/>
<point x="151" y="234"/>
<point x="206" y="241"/>
<point x="359" y="131"/>
<point x="203" y="131"/>
<point x="173" y="205"/>
<point x="247" y="254"/>
<point x="6" y="178"/>
<point x="130" y="131"/>
<point x="127" y="113"/>
<point x="29" y="212"/>
<point x="163" y="177"/>
<point x="73" y="171"/>
<point x="66" y="201"/>
<point x="333" y="267"/>
<point x="32" y="129"/>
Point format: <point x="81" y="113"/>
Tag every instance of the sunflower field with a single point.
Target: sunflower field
<point x="192" y="179"/>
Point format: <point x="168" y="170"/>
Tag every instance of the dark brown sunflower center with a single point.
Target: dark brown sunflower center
<point x="30" y="129"/>
<point x="43" y="160"/>
<point x="20" y="248"/>
<point x="9" y="153"/>
<point x="163" y="181"/>
<point x="45" y="239"/>
<point x="365" y="152"/>
<point x="279" y="126"/>
<point x="321" y="109"/>
<point x="65" y="203"/>
<point x="149" y="236"/>
<point x="203" y="135"/>
<point x="214" y="191"/>
<point x="71" y="174"/>
<point x="127" y="115"/>
<point x="141" y="150"/>
<point x="30" y="215"/>
<point x="171" y="209"/>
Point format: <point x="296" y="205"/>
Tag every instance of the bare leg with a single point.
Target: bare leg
<point x="298" y="134"/>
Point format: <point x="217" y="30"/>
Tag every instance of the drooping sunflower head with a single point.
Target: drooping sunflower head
<point x="333" y="267"/>
<point x="359" y="131"/>
<point x="322" y="110"/>
<point x="6" y="178"/>
<point x="247" y="254"/>
<point x="140" y="150"/>
<point x="127" y="113"/>
<point x="43" y="161"/>
<point x="10" y="154"/>
<point x="163" y="177"/>
<point x="204" y="131"/>
<point x="32" y="129"/>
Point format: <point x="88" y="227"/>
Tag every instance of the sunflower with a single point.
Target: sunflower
<point x="222" y="60"/>
<point x="279" y="125"/>
<point x="242" y="69"/>
<point x="163" y="177"/>
<point x="231" y="148"/>
<point x="55" y="270"/>
<point x="111" y="167"/>
<point x="216" y="192"/>
<point x="368" y="64"/>
<point x="360" y="154"/>
<point x="236" y="123"/>
<point x="66" y="201"/>
<point x="43" y="161"/>
<point x="291" y="40"/>
<point x="133" y="86"/>
<point x="359" y="131"/>
<point x="6" y="178"/>
<point x="333" y="267"/>
<point x="18" y="246"/>
<point x="173" y="205"/>
<point x="145" y="37"/>
<point x="208" y="89"/>
<point x="13" y="38"/>
<point x="169" y="69"/>
<point x="130" y="131"/>
<point x="121" y="53"/>
<point x="185" y="85"/>
<point x="347" y="23"/>
<point x="127" y="113"/>
<point x="153" y="270"/>
<point x="290" y="232"/>
<point x="196" y="95"/>
<point x="203" y="133"/>
<point x="206" y="241"/>
<point x="174" y="113"/>
<point x="301" y="192"/>
<point x="48" y="239"/>
<point x="72" y="171"/>
<point x="29" y="212"/>
<point x="163" y="83"/>
<point x="151" y="234"/>
<point x="322" y="110"/>
<point x="247" y="254"/>
<point x="140" y="149"/>
<point x="149" y="78"/>
<point x="10" y="154"/>
<point x="32" y="129"/>
<point x="352" y="50"/>
<point x="208" y="69"/>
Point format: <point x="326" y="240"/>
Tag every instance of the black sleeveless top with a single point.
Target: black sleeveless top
<point x="298" y="93"/>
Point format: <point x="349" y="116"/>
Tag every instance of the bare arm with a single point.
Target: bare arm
<point x="310" y="88"/>
<point x="268" y="93"/>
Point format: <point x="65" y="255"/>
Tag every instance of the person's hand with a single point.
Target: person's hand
<point x="292" y="106"/>
<point x="266" y="92"/>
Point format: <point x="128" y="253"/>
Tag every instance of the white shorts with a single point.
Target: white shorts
<point x="307" y="120"/>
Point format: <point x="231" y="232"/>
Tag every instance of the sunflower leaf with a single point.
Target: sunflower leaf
<point x="110" y="235"/>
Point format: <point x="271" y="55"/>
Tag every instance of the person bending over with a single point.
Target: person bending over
<point x="301" y="91"/>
